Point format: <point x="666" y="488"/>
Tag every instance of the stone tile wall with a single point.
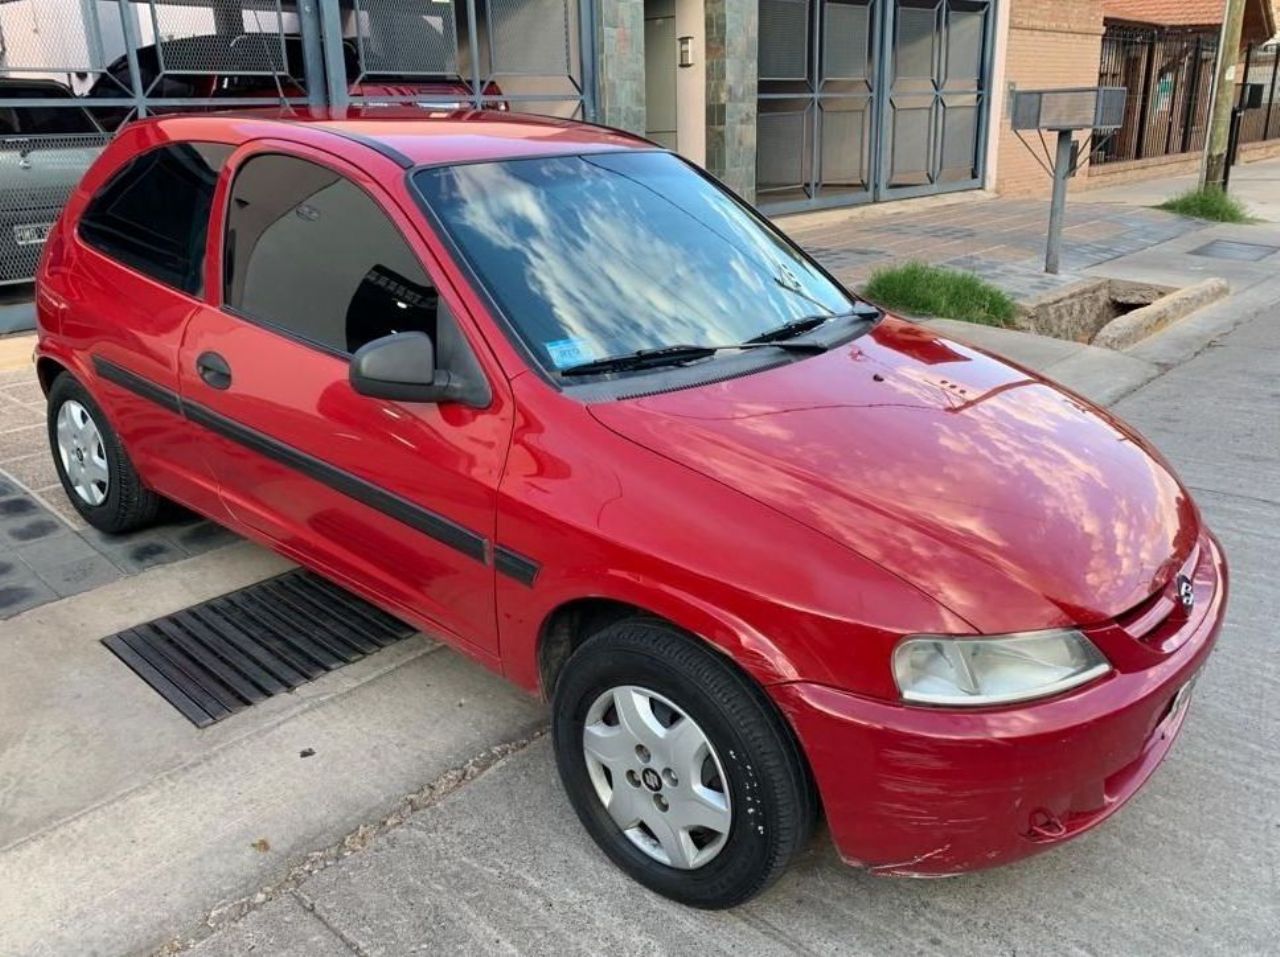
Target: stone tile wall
<point x="620" y="64"/>
<point x="732" y="79"/>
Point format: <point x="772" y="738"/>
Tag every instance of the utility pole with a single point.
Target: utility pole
<point x="1213" y="167"/>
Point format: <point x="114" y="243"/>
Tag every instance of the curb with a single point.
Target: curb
<point x="1129" y="329"/>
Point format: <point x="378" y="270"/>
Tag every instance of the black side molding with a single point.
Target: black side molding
<point x="442" y="529"/>
<point x="402" y="510"/>
<point x="137" y="384"/>
<point x="514" y="565"/>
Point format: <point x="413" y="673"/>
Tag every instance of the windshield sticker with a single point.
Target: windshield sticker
<point x="569" y="352"/>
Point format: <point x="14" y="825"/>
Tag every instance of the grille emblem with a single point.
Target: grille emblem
<point x="1186" y="592"/>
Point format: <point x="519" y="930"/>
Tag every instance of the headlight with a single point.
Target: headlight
<point x="973" y="672"/>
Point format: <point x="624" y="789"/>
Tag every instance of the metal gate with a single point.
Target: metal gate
<point x="863" y="100"/>
<point x="74" y="71"/>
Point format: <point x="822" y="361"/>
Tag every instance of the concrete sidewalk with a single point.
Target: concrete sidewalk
<point x="1257" y="185"/>
<point x="1001" y="240"/>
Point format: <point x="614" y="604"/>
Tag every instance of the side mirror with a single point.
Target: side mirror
<point x="402" y="367"/>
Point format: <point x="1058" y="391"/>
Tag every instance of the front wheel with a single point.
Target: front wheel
<point x="678" y="765"/>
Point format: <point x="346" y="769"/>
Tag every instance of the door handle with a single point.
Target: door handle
<point x="214" y="370"/>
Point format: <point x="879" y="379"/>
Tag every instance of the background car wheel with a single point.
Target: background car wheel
<point x="678" y="765"/>
<point x="95" y="472"/>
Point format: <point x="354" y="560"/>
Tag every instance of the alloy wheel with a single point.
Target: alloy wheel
<point x="658" y="776"/>
<point x="83" y="456"/>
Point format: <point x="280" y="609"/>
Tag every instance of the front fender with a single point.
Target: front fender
<point x="599" y="516"/>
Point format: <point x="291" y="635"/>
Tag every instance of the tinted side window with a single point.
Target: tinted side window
<point x="310" y="252"/>
<point x="153" y="214"/>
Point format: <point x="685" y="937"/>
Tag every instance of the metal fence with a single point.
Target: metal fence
<point x="74" y="71"/>
<point x="1169" y="76"/>
<point x="1260" y="65"/>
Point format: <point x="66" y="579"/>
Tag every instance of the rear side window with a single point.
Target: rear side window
<point x="311" y="254"/>
<point x="153" y="215"/>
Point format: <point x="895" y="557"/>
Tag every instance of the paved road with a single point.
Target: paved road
<point x="1189" y="868"/>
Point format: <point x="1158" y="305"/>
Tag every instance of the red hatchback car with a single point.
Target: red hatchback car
<point x="552" y="394"/>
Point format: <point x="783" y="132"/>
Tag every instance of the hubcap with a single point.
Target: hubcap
<point x="658" y="776"/>
<point x="84" y="460"/>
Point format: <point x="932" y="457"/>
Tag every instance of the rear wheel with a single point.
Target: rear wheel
<point x="678" y="765"/>
<point x="95" y="472"/>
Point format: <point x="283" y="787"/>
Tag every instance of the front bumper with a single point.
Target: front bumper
<point x="932" y="792"/>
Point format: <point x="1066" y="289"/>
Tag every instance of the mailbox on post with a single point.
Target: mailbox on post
<point x="1099" y="109"/>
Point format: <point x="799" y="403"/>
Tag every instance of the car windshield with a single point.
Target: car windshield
<point x="594" y="256"/>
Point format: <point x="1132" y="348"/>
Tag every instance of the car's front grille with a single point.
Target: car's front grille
<point x="1146" y="622"/>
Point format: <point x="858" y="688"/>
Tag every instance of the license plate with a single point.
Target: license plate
<point x="31" y="234"/>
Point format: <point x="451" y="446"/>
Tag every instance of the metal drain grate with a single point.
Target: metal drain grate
<point x="219" y="657"/>
<point x="1229" y="249"/>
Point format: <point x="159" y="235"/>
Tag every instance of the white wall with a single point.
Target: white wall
<point x="691" y="83"/>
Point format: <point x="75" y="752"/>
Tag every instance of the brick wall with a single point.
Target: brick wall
<point x="1051" y="44"/>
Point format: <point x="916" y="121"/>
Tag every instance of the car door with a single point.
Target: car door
<point x="124" y="286"/>
<point x="395" y="499"/>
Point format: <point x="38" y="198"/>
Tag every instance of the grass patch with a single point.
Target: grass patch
<point x="919" y="289"/>
<point x="1209" y="202"/>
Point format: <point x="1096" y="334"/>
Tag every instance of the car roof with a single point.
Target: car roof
<point x="411" y="136"/>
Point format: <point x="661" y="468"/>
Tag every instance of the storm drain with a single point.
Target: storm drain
<point x="219" y="657"/>
<point x="1229" y="249"/>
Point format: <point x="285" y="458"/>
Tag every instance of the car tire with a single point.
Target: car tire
<point x="92" y="465"/>
<point x="751" y="766"/>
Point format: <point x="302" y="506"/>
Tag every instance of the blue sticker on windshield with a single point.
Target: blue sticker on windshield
<point x="568" y="352"/>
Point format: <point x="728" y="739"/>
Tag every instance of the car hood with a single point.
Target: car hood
<point x="1014" y="503"/>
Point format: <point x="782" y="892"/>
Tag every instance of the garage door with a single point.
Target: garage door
<point x="863" y="100"/>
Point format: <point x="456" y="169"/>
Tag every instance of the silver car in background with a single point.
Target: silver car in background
<point x="43" y="153"/>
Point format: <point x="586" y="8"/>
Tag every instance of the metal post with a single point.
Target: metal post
<point x="312" y="54"/>
<point x="1244" y="82"/>
<point x="1058" y="207"/>
<point x="473" y="41"/>
<point x="1193" y="94"/>
<point x="131" y="43"/>
<point x="587" y="61"/>
<point x="1242" y="89"/>
<point x="92" y="33"/>
<point x="1173" y="103"/>
<point x="1271" y="96"/>
<point x="335" y="65"/>
<point x="1140" y="150"/>
<point x="1233" y="146"/>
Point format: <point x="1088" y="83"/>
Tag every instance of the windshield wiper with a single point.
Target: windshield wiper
<point x="675" y="355"/>
<point x="793" y="328"/>
<point x="798" y="327"/>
